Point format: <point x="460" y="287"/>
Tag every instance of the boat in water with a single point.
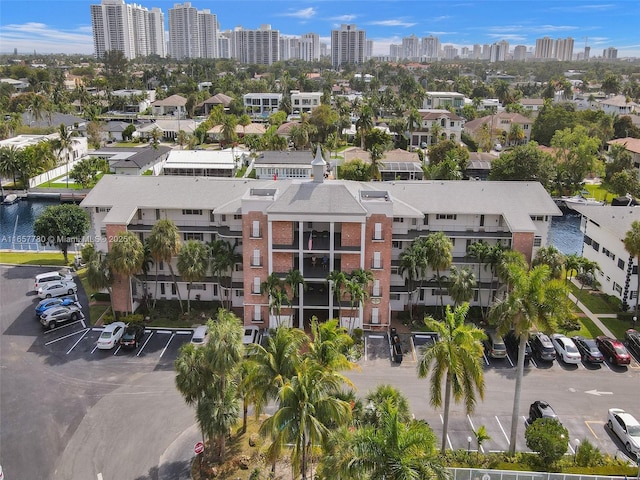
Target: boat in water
<point x="10" y="199"/>
<point x="579" y="200"/>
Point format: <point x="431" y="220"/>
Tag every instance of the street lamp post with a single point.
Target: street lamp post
<point x="468" y="444"/>
<point x="575" y="456"/>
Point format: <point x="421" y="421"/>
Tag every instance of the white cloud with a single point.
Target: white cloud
<point x="440" y="18"/>
<point x="44" y="39"/>
<point x="343" y="18"/>
<point x="392" y="23"/>
<point x="305" y="13"/>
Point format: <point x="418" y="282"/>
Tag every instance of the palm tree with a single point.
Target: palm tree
<point x="571" y="265"/>
<point x="632" y="246"/>
<point x="379" y="398"/>
<point x="193" y="263"/>
<point x="413" y="265"/>
<point x="65" y="143"/>
<point x="223" y="257"/>
<point x="330" y="344"/>
<point x="295" y="280"/>
<point x="164" y="242"/>
<point x="587" y="269"/>
<point x="414" y="121"/>
<point x="462" y="284"/>
<point x="156" y="136"/>
<point x="391" y="450"/>
<point x="126" y="255"/>
<point x="338" y="279"/>
<point x="274" y="288"/>
<point x="364" y="123"/>
<point x="9" y="162"/>
<point x="552" y="257"/>
<point x="535" y="300"/>
<point x="99" y="275"/>
<point x="308" y="406"/>
<point x="439" y="255"/>
<point x="456" y="358"/>
<point x="192" y="377"/>
<point x="479" y="251"/>
<point x="376" y="154"/>
<point x="516" y="134"/>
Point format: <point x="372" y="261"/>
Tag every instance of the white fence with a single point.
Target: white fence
<point x="51" y="174"/>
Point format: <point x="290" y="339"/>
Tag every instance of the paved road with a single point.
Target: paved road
<point x="69" y="411"/>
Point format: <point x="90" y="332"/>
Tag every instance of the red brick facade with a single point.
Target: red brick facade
<point x="121" y="288"/>
<point x="523" y="243"/>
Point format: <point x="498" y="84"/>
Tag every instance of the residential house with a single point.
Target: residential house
<point x="500" y="125"/>
<point x="133" y="160"/>
<point x="631" y="145"/>
<point x="437" y="125"/>
<point x="479" y="166"/>
<point x="278" y="165"/>
<point x="304" y="102"/>
<point x="174" y="105"/>
<point x="204" y="163"/>
<point x="261" y="105"/>
<point x="443" y="100"/>
<point x="218" y="99"/>
<point x="133" y="101"/>
<point x="604" y="228"/>
<point x="532" y="104"/>
<point x="396" y="164"/>
<point x="618" y="105"/>
<point x="317" y="226"/>
<point x="168" y="128"/>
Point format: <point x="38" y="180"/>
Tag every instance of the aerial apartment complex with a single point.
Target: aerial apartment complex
<point x="549" y="49"/>
<point x="317" y="226"/>
<point x="348" y="45"/>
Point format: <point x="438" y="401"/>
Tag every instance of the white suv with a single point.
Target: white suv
<point x="48" y="277"/>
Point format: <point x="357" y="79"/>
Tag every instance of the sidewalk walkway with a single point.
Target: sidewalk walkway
<point x="592" y="316"/>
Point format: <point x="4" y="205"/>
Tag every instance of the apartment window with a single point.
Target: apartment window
<point x="595" y="246"/>
<point x="215" y="290"/>
<point x="617" y="288"/>
<point x="102" y="209"/>
<point x="161" y="265"/>
<point x="139" y="214"/>
<point x="256" y="284"/>
<point x="173" y="289"/>
<point x="377" y="260"/>
<point x="141" y="237"/>
<point x="162" y="290"/>
<point x="240" y="293"/>
<point x="620" y="264"/>
<point x="376" y="288"/>
<point x="396" y="244"/>
<point x="446" y="216"/>
<point x="537" y="241"/>
<point x="237" y="217"/>
<point x="197" y="286"/>
<point x="189" y="211"/>
<point x="525" y="127"/>
<point x="255" y="259"/>
<point x="238" y="267"/>
<point x="394" y="296"/>
<point x="377" y="231"/>
<point x="398" y="220"/>
<point x="193" y="236"/>
<point x="375" y="315"/>
<point x="537" y="218"/>
<point x="395" y="270"/>
<point x="257" y="313"/>
<point x="255" y="229"/>
<point x="587" y="240"/>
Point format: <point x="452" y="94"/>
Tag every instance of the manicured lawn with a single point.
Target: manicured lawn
<point x="167" y="313"/>
<point x="617" y="326"/>
<point x="594" y="302"/>
<point x="588" y="329"/>
<point x="599" y="193"/>
<point x="35" y="258"/>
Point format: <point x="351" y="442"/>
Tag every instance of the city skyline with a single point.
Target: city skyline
<point x="67" y="28"/>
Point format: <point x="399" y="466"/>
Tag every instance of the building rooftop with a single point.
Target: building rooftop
<point x="616" y="220"/>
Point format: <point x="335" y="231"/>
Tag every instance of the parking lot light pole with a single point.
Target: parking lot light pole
<point x="468" y="444"/>
<point x="575" y="456"/>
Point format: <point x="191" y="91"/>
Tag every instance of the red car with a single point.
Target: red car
<point x="613" y="350"/>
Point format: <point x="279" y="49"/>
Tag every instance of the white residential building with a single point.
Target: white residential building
<point x="443" y="123"/>
<point x="193" y="33"/>
<point x="304" y="102"/>
<point x="430" y="48"/>
<point x="348" y="45"/>
<point x="261" y="105"/>
<point x="310" y="47"/>
<point x="261" y="46"/>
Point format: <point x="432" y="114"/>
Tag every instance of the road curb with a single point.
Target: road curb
<point x="180" y="451"/>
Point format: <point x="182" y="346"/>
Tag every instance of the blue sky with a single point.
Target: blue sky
<point x="64" y="26"/>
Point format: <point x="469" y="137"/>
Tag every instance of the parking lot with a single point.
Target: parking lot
<point x="581" y="395"/>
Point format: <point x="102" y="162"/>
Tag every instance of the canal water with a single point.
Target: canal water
<point x="564" y="232"/>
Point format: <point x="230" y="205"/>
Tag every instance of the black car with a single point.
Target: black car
<point x="540" y="409"/>
<point x="542" y="347"/>
<point x="132" y="336"/>
<point x="632" y="340"/>
<point x="588" y="349"/>
<point x="513" y="343"/>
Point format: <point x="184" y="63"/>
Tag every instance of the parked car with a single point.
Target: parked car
<point x="495" y="345"/>
<point x="111" y="335"/>
<point x="626" y="428"/>
<point x="632" y="340"/>
<point x="540" y="409"/>
<point x="48" y="277"/>
<point x="613" y="350"/>
<point x="48" y="303"/>
<point x="542" y="347"/>
<point x="588" y="349"/>
<point x="513" y="343"/>
<point x="200" y="336"/>
<point x="251" y="335"/>
<point x="132" y="336"/>
<point x="57" y="315"/>
<point x="565" y="348"/>
<point x="57" y="289"/>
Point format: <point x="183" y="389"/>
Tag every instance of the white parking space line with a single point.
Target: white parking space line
<point x="474" y="430"/>
<point x="61" y="327"/>
<point x="509" y="358"/>
<point x="486" y="360"/>
<point x="79" y="340"/>
<point x="95" y="348"/>
<point x="533" y="361"/>
<point x="167" y="345"/>
<point x="117" y="349"/>
<point x="448" y="439"/>
<point x="64" y="337"/>
<point x="502" y="429"/>
<point x="145" y="343"/>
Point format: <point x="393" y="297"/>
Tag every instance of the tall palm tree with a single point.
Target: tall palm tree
<point x="338" y="279"/>
<point x="99" y="275"/>
<point x="295" y="280"/>
<point x="414" y="121"/>
<point x="377" y="400"/>
<point x="65" y="142"/>
<point x="9" y="162"/>
<point x="479" y="251"/>
<point x="192" y="378"/>
<point x="571" y="265"/>
<point x="330" y="344"/>
<point x="457" y="359"/>
<point x="439" y="255"/>
<point x="274" y="288"/>
<point x="126" y="255"/>
<point x="223" y="258"/>
<point x="391" y="450"/>
<point x="552" y="257"/>
<point x="164" y="242"/>
<point x="587" y="269"/>
<point x="632" y="246"/>
<point x="535" y="300"/>
<point x="413" y="266"/>
<point x="462" y="283"/>
<point x="308" y="406"/>
<point x="193" y="263"/>
<point x="365" y="123"/>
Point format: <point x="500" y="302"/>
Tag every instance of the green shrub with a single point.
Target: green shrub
<point x="357" y="335"/>
<point x="133" y="318"/>
<point x="548" y="437"/>
<point x="101" y="297"/>
<point x="587" y="455"/>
